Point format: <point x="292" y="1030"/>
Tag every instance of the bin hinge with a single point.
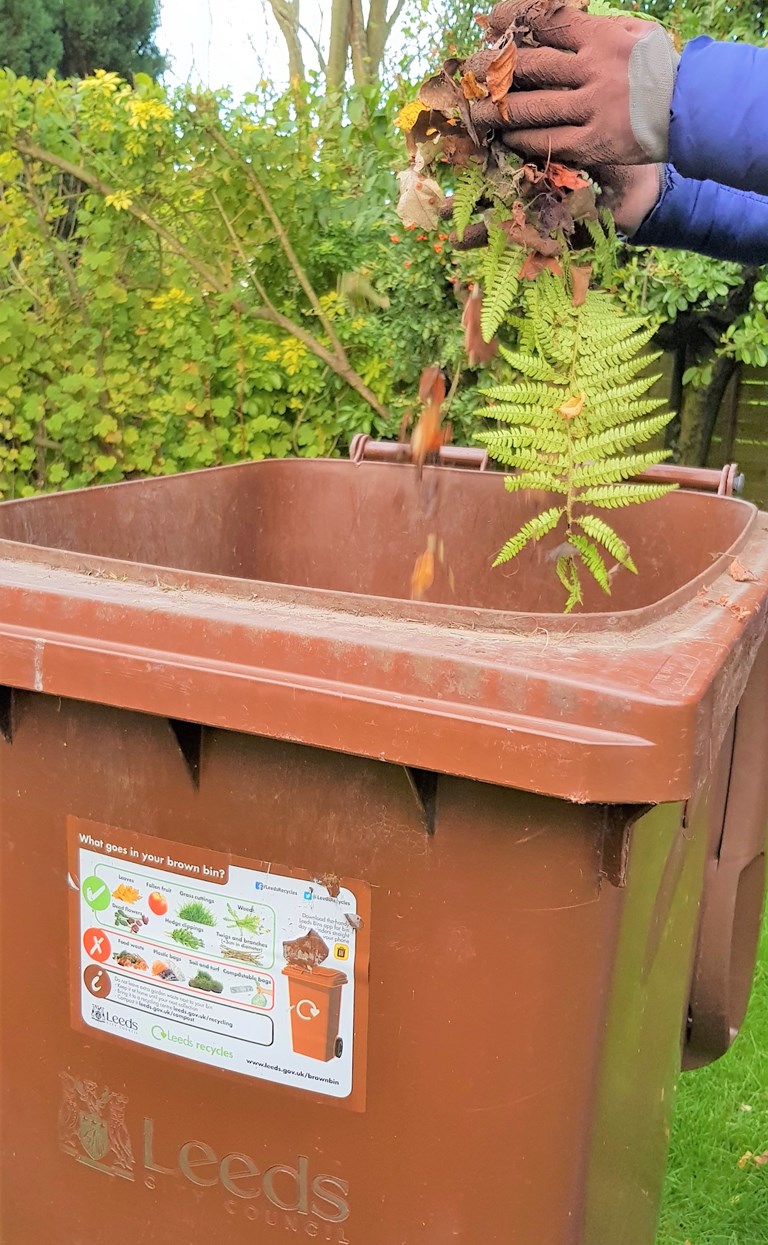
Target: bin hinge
<point x="6" y="713"/>
<point x="189" y="737"/>
<point x="726" y="482"/>
<point x="423" y="784"/>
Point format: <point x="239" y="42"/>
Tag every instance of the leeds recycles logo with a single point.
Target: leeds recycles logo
<point x="92" y="1127"/>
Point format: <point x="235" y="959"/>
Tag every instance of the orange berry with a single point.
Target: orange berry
<point x="407" y="264"/>
<point x="393" y="237"/>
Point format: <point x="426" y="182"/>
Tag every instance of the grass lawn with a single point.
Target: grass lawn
<point x="721" y="1114"/>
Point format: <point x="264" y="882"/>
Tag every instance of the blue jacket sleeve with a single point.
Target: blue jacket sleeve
<point x="718" y="130"/>
<point x="702" y="216"/>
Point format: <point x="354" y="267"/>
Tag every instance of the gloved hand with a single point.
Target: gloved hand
<point x="597" y="92"/>
<point x="630" y="192"/>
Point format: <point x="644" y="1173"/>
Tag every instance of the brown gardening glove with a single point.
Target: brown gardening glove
<point x="598" y="91"/>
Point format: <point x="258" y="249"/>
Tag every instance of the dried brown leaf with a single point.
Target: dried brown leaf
<point x="565" y="178"/>
<point x="471" y="88"/>
<point x="738" y="571"/>
<point x="479" y="351"/>
<point x="573" y="406"/>
<point x="502" y="71"/>
<point x="420" y="199"/>
<point x="534" y="264"/>
<point x="440" y="93"/>
<point x="580" y="277"/>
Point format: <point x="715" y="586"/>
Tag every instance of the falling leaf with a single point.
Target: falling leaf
<point x="739" y="572"/>
<point x="479" y="351"/>
<point x="331" y="882"/>
<point x="566" y="179"/>
<point x="471" y="88"/>
<point x="760" y="1160"/>
<point x="580" y="277"/>
<point x="423" y="575"/>
<point x="354" y="920"/>
<point x="307" y="951"/>
<point x="420" y="199"/>
<point x="409" y="115"/>
<point x="432" y="385"/>
<point x="573" y="406"/>
<point x="502" y="71"/>
<point x="535" y="263"/>
<point x="742" y="1163"/>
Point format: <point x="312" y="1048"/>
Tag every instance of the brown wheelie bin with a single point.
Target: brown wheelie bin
<point x="327" y="914"/>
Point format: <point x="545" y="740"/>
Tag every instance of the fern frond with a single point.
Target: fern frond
<point x="495" y="250"/>
<point x="613" y="470"/>
<point x="500" y="294"/>
<point x="523" y="392"/>
<point x="544" y="481"/>
<point x="468" y="190"/>
<point x="621" y="438"/>
<point x="597" y="529"/>
<point x="533" y="530"/>
<point x="502" y="444"/>
<point x="568" y="574"/>
<point x="531" y="366"/>
<point x="615" y="496"/>
<point x="591" y="557"/>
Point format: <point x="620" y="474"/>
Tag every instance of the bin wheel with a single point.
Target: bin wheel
<point x="338" y="1048"/>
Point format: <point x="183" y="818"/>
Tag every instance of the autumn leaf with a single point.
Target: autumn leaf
<point x="479" y="351"/>
<point x="738" y="571"/>
<point x="432" y="386"/>
<point x="420" y="199"/>
<point x="573" y="406"/>
<point x="440" y="93"/>
<point x="423" y="575"/>
<point x="580" y="277"/>
<point x="566" y="179"/>
<point x="529" y="236"/>
<point x="472" y="88"/>
<point x="535" y="263"/>
<point x="502" y="71"/>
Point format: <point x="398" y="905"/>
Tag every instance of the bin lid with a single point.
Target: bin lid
<point x="273" y="598"/>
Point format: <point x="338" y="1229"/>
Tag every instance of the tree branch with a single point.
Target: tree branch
<point x="285" y="242"/>
<point x="338" y="363"/>
<point x="286" y="13"/>
<point x="358" y="44"/>
<point x="339" y="46"/>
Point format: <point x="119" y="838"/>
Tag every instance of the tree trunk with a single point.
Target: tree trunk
<point x="358" y="43"/>
<point x="731" y="429"/>
<point x="339" y="46"/>
<point x="286" y="13"/>
<point x="699" y="413"/>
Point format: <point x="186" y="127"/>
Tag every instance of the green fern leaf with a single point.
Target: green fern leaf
<point x="592" y="559"/>
<point x="468" y="190"/>
<point x="616" y="496"/>
<point x="613" y="470"/>
<point x="543" y="481"/>
<point x="533" y="530"/>
<point x="494" y="252"/>
<point x="531" y="366"/>
<point x="568" y="574"/>
<point x="597" y="529"/>
<point x="500" y="294"/>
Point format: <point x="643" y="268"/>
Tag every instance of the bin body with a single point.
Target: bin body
<point x="513" y="984"/>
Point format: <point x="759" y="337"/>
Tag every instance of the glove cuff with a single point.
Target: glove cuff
<point x="653" y="66"/>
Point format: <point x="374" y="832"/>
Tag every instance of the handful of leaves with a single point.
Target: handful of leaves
<point x="571" y="422"/>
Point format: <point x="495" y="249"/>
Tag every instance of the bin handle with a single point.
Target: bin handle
<point x="734" y="890"/>
<point x="725" y="482"/>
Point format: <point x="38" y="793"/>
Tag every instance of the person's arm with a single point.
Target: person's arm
<point x="711" y="219"/>
<point x="719" y="124"/>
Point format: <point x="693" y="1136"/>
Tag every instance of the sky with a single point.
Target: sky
<point x="230" y="43"/>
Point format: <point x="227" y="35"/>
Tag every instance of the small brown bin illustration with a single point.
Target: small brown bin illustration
<point x="315" y="1006"/>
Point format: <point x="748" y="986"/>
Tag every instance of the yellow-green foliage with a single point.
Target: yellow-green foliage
<point x="570" y="423"/>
